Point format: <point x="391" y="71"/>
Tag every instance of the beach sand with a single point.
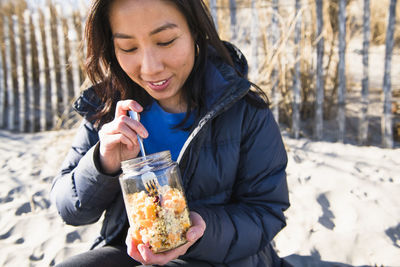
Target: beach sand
<point x="31" y="231"/>
<point x="345" y="204"/>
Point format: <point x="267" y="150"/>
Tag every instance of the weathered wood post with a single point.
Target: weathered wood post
<point x="341" y="116"/>
<point x="2" y="93"/>
<point x="73" y="62"/>
<point x="52" y="67"/>
<point x="363" y="123"/>
<point x="10" y="86"/>
<point x="82" y="18"/>
<point x="63" y="65"/>
<point x="232" y="8"/>
<point x="274" y="37"/>
<point x="320" y="72"/>
<point x="387" y="132"/>
<point x="254" y="30"/>
<point x="296" y="78"/>
<point x="20" y="76"/>
<point x="29" y="71"/>
<point x="42" y="74"/>
<point x="214" y="13"/>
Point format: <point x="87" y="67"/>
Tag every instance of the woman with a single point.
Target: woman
<point x="164" y="59"/>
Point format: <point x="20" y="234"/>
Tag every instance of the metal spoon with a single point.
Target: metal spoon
<point x="134" y="115"/>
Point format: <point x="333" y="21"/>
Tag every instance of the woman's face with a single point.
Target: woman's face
<point x="154" y="46"/>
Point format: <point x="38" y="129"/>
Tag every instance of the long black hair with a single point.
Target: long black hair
<point x="112" y="84"/>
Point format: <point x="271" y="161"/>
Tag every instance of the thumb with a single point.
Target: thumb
<point x="192" y="235"/>
<point x="197" y="229"/>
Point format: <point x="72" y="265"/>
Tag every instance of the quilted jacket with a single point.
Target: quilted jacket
<point x="232" y="165"/>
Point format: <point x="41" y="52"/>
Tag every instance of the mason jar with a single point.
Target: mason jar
<point x="155" y="201"/>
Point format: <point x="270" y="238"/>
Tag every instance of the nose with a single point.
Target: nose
<point x="151" y="63"/>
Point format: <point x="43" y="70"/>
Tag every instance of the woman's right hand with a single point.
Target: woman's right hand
<point x="118" y="138"/>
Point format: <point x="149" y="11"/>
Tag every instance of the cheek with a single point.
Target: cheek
<point x="126" y="63"/>
<point x="184" y="60"/>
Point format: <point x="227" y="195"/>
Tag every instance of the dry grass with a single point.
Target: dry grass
<point x="18" y="7"/>
<point x="280" y="56"/>
<point x="379" y="21"/>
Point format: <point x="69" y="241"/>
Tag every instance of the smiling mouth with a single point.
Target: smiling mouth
<point x="159" y="83"/>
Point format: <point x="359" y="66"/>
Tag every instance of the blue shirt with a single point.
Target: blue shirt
<point x="162" y="136"/>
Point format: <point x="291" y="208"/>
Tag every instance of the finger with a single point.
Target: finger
<point x="121" y="125"/>
<point x="130" y="143"/>
<point x="197" y="229"/>
<point x="124" y="105"/>
<point x="128" y="126"/>
<point x="197" y="219"/>
<point x="164" y="257"/>
<point x="137" y="127"/>
<point x="194" y="233"/>
<point x="119" y="131"/>
<point x="132" y="248"/>
<point x="110" y="141"/>
<point x="175" y="253"/>
<point x="150" y="258"/>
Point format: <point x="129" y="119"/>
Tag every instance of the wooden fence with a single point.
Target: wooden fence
<point x="40" y="66"/>
<point x="42" y="57"/>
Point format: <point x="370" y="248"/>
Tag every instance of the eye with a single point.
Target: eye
<point x="128" y="50"/>
<point x="167" y="43"/>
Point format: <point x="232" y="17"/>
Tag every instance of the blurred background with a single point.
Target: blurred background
<point x="328" y="67"/>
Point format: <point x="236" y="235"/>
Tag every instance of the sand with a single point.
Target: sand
<point x="31" y="232"/>
<point x="345" y="204"/>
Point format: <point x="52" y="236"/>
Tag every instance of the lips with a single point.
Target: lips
<point x="159" y="85"/>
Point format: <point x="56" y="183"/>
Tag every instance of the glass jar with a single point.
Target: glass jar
<point x="155" y="202"/>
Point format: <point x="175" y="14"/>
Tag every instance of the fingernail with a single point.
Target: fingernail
<point x="138" y="107"/>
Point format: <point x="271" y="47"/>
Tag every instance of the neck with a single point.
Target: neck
<point x="173" y="107"/>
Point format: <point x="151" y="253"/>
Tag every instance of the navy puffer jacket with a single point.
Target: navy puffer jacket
<point x="233" y="169"/>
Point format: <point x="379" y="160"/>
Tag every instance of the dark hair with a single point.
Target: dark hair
<point x="111" y="83"/>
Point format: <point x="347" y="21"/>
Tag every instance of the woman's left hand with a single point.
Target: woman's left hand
<point x="143" y="254"/>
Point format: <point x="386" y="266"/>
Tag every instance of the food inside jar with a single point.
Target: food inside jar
<point x="160" y="221"/>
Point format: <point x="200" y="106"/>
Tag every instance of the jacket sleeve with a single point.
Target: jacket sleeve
<point x="80" y="191"/>
<point x="260" y="195"/>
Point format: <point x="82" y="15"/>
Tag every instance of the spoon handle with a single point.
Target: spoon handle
<point x="134" y="116"/>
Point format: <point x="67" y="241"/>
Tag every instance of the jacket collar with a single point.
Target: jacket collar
<point x="223" y="88"/>
<point x="223" y="84"/>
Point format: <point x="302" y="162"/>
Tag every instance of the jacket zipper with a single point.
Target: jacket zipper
<point x="201" y="124"/>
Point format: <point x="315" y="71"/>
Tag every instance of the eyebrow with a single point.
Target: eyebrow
<point x="155" y="31"/>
